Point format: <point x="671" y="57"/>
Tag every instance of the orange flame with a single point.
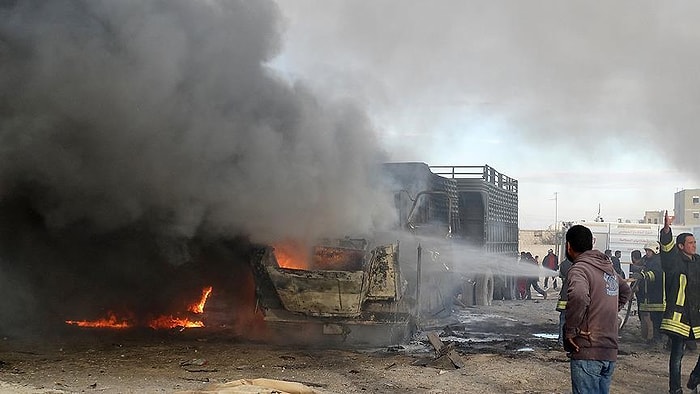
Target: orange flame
<point x="110" y="321"/>
<point x="162" y="322"/>
<point x="198" y="307"/>
<point x="172" y="322"/>
<point x="293" y="255"/>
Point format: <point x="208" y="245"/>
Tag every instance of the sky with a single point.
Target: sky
<point x="597" y="104"/>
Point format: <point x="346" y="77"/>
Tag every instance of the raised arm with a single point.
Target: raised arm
<point x="667" y="245"/>
<point x="667" y="223"/>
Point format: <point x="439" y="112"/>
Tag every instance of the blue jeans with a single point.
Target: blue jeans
<point x="562" y="320"/>
<point x="591" y="376"/>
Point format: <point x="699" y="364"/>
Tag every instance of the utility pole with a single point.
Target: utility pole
<point x="556" y="223"/>
<point x="419" y="280"/>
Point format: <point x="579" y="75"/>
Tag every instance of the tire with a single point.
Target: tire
<point x="511" y="288"/>
<point x="484" y="289"/>
<point x="500" y="288"/>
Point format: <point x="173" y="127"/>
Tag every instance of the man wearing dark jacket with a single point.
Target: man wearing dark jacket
<point x="650" y="292"/>
<point x="681" y="321"/>
<point x="561" y="303"/>
<point x="615" y="261"/>
<point x="595" y="294"/>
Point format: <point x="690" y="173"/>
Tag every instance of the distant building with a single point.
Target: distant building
<point x="537" y="242"/>
<point x="686" y="204"/>
<point x="653" y="217"/>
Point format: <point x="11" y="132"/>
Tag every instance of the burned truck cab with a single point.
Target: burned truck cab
<point x="345" y="293"/>
<point x="359" y="292"/>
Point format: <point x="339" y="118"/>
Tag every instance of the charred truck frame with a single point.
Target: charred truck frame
<point x="475" y="206"/>
<point x="355" y="292"/>
<point x="350" y="295"/>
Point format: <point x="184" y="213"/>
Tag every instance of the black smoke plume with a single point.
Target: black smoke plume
<point x="128" y="129"/>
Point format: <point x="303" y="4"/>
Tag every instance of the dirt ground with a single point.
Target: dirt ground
<point x="509" y="347"/>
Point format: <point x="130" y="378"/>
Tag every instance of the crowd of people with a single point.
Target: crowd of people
<point x="664" y="277"/>
<point x="525" y="284"/>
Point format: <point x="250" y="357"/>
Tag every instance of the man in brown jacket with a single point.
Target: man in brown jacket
<point x="595" y="294"/>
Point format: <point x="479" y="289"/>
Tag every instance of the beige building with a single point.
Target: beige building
<point x="653" y="217"/>
<point x="537" y="242"/>
<point x="686" y="204"/>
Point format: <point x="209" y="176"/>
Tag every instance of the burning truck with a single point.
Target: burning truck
<point x="358" y="291"/>
<point x="124" y="184"/>
<point x="354" y="292"/>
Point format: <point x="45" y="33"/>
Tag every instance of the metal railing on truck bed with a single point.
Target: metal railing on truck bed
<point x="486" y="173"/>
<point x="488" y="206"/>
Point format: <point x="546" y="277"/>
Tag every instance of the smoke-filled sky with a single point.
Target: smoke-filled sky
<point x="165" y="113"/>
<point x="596" y="102"/>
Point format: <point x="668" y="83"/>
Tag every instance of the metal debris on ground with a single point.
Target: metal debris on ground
<point x="442" y="350"/>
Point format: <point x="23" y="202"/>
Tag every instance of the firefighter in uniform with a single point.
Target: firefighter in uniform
<point x="650" y="292"/>
<point x="681" y="319"/>
<point x="563" y="297"/>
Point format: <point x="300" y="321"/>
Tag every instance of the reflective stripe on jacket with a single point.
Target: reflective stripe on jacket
<point x="682" y="314"/>
<point x="650" y="295"/>
<point x="563" y="270"/>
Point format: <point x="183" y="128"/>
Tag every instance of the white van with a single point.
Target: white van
<point x="626" y="237"/>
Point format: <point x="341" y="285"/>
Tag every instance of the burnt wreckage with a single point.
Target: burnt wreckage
<point x="358" y="292"/>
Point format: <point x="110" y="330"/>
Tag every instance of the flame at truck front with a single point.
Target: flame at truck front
<point x="345" y="292"/>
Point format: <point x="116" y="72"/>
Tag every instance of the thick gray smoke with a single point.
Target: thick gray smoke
<point x="125" y="125"/>
<point x="163" y="111"/>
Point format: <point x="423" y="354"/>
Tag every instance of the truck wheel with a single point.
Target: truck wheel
<point x="503" y="288"/>
<point x="484" y="289"/>
<point x="499" y="288"/>
<point x="510" y="292"/>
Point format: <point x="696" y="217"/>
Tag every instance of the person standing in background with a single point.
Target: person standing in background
<point x="551" y="262"/>
<point x="636" y="268"/>
<point x="616" y="263"/>
<point x="561" y="304"/>
<point x="650" y="293"/>
<point x="533" y="281"/>
<point x="521" y="281"/>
